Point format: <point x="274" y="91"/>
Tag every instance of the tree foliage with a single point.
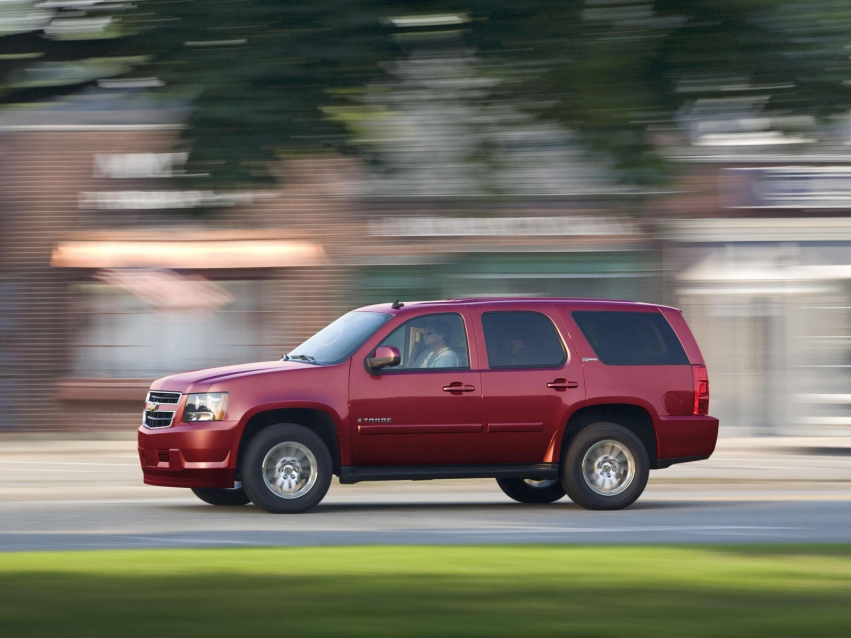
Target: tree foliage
<point x="269" y="77"/>
<point x="52" y="47"/>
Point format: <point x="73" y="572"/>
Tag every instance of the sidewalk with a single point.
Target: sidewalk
<point x="800" y="465"/>
<point x="807" y="445"/>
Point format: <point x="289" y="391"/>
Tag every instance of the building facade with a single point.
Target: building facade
<point x="112" y="273"/>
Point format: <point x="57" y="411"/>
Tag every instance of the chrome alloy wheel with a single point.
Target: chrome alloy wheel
<point x="290" y="470"/>
<point x="541" y="485"/>
<point x="608" y="467"/>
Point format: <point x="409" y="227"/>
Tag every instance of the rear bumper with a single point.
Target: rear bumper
<point x="189" y="455"/>
<point x="685" y="438"/>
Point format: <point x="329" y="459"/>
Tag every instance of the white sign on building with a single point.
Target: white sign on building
<point x="139" y="165"/>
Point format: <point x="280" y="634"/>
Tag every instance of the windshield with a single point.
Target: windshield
<point x="336" y="342"/>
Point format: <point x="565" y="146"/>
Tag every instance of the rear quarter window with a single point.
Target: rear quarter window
<point x="631" y="338"/>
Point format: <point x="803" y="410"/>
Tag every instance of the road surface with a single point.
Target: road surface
<point x="85" y="494"/>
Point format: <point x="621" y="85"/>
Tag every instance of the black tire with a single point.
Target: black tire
<point x="298" y="467"/>
<point x="523" y="492"/>
<point x="620" y="474"/>
<point x="224" y="497"/>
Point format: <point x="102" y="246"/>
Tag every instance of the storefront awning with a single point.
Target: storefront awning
<point x="188" y="255"/>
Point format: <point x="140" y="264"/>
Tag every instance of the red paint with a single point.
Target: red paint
<point x="429" y="428"/>
<point x="686" y="436"/>
<point x="673" y="402"/>
<point x="515" y="427"/>
<point x="436" y="416"/>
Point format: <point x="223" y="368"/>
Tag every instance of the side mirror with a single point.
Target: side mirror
<point x="385" y="357"/>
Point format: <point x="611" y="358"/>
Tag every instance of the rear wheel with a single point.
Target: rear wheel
<point x="287" y="469"/>
<point x="531" y="490"/>
<point x="225" y="497"/>
<point x="605" y="468"/>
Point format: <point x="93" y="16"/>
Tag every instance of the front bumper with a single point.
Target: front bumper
<point x="190" y="454"/>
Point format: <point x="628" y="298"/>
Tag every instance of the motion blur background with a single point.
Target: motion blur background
<point x="189" y="183"/>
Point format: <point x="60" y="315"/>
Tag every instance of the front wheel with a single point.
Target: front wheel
<point x="605" y="468"/>
<point x="225" y="497"/>
<point x="530" y="490"/>
<point x="287" y="469"/>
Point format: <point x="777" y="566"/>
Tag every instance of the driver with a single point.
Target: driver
<point x="437" y="353"/>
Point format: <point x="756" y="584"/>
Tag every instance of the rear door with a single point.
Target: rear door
<point x="531" y="381"/>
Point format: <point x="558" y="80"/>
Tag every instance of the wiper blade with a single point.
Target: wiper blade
<point x="300" y="357"/>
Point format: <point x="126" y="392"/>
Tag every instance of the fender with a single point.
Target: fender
<point x="629" y="401"/>
<point x="340" y="424"/>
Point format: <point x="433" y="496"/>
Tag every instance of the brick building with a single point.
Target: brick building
<point x="110" y="278"/>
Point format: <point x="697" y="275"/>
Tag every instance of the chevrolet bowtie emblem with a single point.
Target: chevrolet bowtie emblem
<point x="150" y="406"/>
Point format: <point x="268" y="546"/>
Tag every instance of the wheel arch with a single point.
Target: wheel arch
<point x="314" y="419"/>
<point x="633" y="417"/>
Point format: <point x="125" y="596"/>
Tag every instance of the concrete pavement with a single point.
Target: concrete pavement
<point x="106" y="465"/>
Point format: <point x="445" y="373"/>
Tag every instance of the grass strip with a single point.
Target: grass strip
<point x="488" y="591"/>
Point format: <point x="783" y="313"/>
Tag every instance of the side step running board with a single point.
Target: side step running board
<point x="538" y="471"/>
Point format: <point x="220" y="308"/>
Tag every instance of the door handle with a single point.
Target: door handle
<point x="562" y="384"/>
<point x="459" y="387"/>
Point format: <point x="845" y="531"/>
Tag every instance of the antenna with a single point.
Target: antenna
<point x="396" y="305"/>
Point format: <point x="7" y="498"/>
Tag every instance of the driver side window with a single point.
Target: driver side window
<point x="436" y="341"/>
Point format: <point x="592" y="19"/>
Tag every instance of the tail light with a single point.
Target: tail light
<point x="701" y="390"/>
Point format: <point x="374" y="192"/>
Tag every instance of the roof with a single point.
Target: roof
<point x="408" y="305"/>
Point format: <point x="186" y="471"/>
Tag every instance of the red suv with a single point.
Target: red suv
<point x="548" y="396"/>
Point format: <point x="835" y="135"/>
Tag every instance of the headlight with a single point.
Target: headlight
<point x="206" y="407"/>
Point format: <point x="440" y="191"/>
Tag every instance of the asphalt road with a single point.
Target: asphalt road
<point x="79" y="494"/>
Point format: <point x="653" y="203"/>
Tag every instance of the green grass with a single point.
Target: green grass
<point x="489" y="591"/>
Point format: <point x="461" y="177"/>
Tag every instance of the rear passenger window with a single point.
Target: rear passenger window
<point x="522" y="340"/>
<point x="631" y="338"/>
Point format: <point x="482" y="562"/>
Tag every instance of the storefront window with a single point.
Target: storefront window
<point x="120" y="334"/>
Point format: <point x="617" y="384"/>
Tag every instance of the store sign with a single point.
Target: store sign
<point x="502" y="226"/>
<point x="154" y="166"/>
<point x="139" y="165"/>
<point x="787" y="187"/>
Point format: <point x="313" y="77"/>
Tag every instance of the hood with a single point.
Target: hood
<point x="201" y="380"/>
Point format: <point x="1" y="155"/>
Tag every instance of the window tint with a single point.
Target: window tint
<point x="631" y="338"/>
<point x="430" y="342"/>
<point x="521" y="340"/>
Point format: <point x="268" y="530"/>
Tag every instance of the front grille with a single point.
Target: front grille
<point x="157" y="396"/>
<point x="155" y="420"/>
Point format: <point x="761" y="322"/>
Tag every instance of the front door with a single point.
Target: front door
<point x="531" y="384"/>
<point x="427" y="410"/>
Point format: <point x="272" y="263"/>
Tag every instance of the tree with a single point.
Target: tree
<point x="269" y="77"/>
<point x="608" y="71"/>
<point x="260" y="72"/>
<point x="614" y="69"/>
<point x="431" y="127"/>
<point x="49" y="48"/>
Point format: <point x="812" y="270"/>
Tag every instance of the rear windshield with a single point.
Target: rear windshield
<point x="631" y="338"/>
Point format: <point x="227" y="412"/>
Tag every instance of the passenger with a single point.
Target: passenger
<point x="437" y="353"/>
